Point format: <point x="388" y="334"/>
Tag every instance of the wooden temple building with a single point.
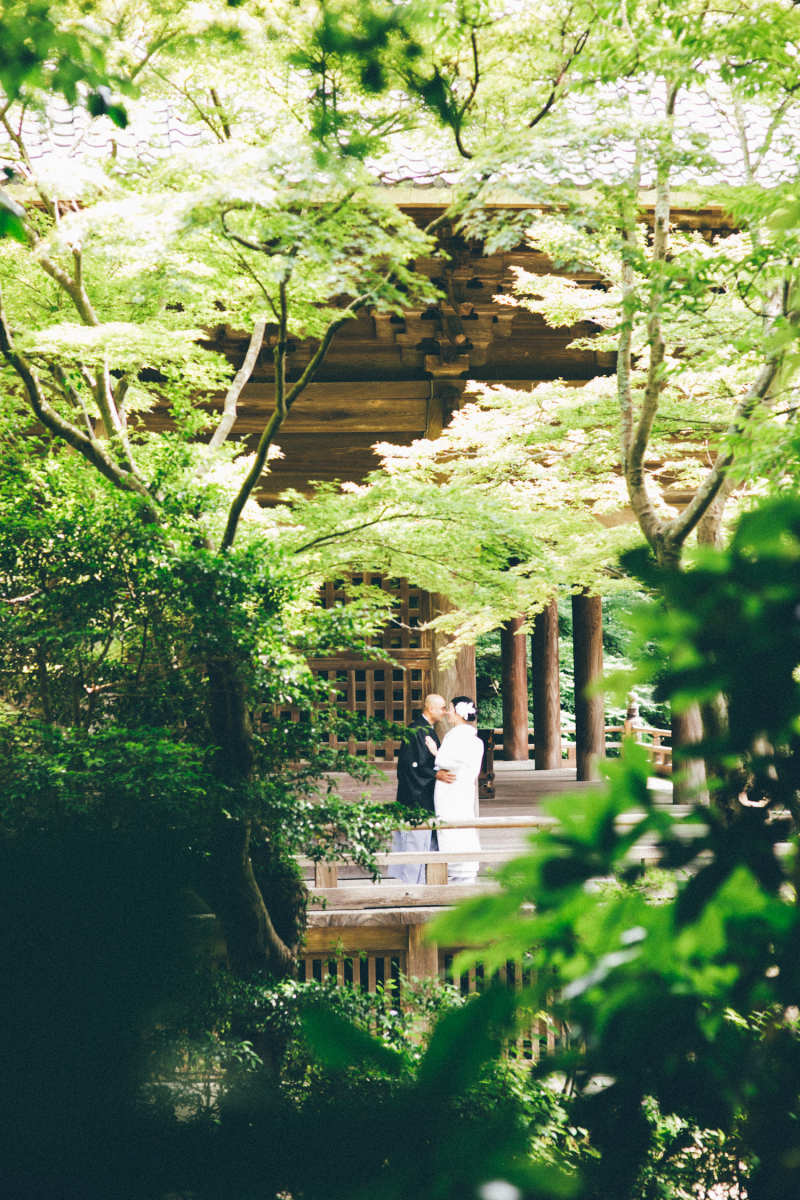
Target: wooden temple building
<point x="398" y="380"/>
<point x="387" y="378"/>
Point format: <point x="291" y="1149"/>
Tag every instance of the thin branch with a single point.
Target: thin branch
<point x="234" y="391"/>
<point x="77" y="256"/>
<point x="140" y="664"/>
<point x="624" y="350"/>
<point x="467" y="105"/>
<point x="75" y="398"/>
<point x="22" y="599"/>
<point x="226" y="129"/>
<point x="284" y="401"/>
<point x="55" y="423"/>
<point x="331" y="537"/>
<point x="16" y="138"/>
<point x="679" y="529"/>
<point x="551" y="99"/>
<point x="240" y="258"/>
<point x="112" y="422"/>
<point x="259" y="249"/>
<point x="640" y="501"/>
<point x="429" y="558"/>
<point x="75" y="291"/>
<point x="159" y="42"/>
<point x="120" y="393"/>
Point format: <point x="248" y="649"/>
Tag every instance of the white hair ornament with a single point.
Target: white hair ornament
<point x="465" y="709"/>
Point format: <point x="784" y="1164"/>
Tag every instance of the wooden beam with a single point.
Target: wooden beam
<point x="514" y="689"/>
<point x="546" y="689"/>
<point x="328" y="940"/>
<point x="387" y="895"/>
<point x="404" y="857"/>
<point x="587" y="642"/>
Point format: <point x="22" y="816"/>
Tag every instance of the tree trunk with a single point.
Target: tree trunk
<point x="514" y="674"/>
<point x="587" y="640"/>
<point x="252" y="942"/>
<point x="709" y="527"/>
<point x="689" y="774"/>
<point x="714" y="712"/>
<point x="546" y="687"/>
<point x="457" y="679"/>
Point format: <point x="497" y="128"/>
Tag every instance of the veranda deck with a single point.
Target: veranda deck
<point x="349" y="915"/>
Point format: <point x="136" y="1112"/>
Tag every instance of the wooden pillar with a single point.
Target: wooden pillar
<point x="326" y="875"/>
<point x="514" y="689"/>
<point x="546" y="689"/>
<point x="587" y="643"/>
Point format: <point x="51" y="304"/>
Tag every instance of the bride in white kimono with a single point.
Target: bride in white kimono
<point x="461" y="752"/>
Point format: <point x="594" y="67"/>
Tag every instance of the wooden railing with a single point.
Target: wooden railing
<point x="380" y="973"/>
<point x="379" y="928"/>
<point x="650" y="737"/>
<point x="436" y="890"/>
<point x="660" y="754"/>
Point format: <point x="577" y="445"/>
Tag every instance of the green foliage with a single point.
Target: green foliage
<point x="410" y="1079"/>
<point x="57" y="47"/>
<point x="392" y="1065"/>
<point x="690" y="1001"/>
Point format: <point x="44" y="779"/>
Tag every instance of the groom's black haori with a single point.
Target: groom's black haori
<point x="416" y="767"/>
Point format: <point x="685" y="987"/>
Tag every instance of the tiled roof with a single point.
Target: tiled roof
<point x="706" y="131"/>
<point x="66" y="131"/>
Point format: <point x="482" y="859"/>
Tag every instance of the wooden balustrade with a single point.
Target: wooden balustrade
<point x="437" y="890"/>
<point x="380" y="971"/>
<point x="367" y="933"/>
<point x="661" y="755"/>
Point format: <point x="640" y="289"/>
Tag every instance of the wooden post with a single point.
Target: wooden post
<point x="423" y="956"/>
<point x="436" y="873"/>
<point x="326" y="875"/>
<point x="546" y="689"/>
<point x="514" y="688"/>
<point x="587" y="642"/>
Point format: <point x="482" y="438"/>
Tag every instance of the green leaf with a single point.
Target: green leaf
<point x="465" y="1040"/>
<point x="339" y="1044"/>
<point x="12" y="216"/>
<point x="100" y="105"/>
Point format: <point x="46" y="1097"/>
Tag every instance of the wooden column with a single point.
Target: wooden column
<point x="587" y="643"/>
<point x="514" y="689"/>
<point x="546" y="689"/>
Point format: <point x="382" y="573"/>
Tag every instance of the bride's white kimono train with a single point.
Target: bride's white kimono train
<point x="461" y="752"/>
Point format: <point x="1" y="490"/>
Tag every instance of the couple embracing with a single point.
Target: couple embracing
<point x="442" y="778"/>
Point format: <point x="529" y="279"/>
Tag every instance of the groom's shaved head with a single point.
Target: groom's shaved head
<point x="435" y="706"/>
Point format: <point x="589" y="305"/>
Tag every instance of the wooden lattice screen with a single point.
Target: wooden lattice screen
<point x="393" y="688"/>
<point x="372" y="970"/>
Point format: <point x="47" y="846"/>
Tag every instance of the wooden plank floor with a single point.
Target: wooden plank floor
<point x="519" y="788"/>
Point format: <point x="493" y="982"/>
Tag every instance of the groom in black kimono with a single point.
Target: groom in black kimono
<point x="416" y="779"/>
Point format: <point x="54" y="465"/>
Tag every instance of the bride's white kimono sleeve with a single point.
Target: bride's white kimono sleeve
<point x="461" y="752"/>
